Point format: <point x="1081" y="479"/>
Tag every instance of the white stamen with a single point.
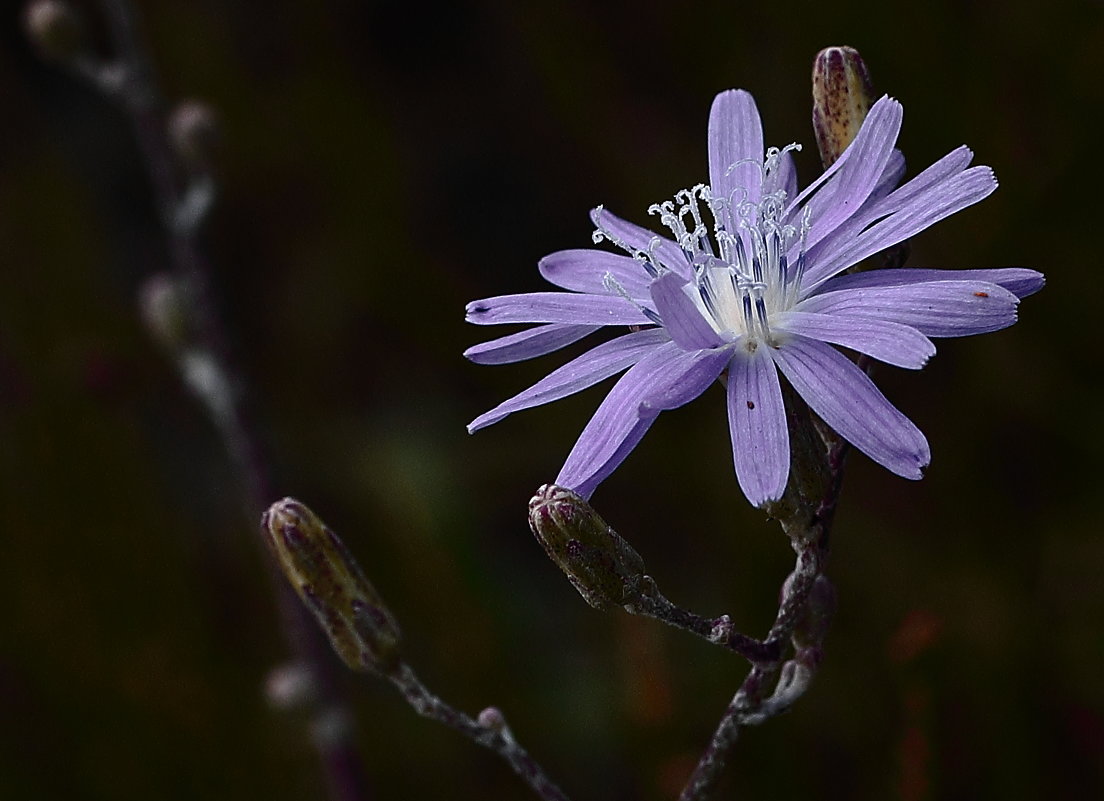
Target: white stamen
<point x="613" y="285"/>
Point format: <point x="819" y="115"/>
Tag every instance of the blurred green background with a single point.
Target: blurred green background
<point x="382" y="163"/>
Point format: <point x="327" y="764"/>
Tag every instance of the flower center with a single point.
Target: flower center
<point x="739" y="253"/>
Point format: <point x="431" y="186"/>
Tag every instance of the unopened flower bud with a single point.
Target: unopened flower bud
<point x="842" y="96"/>
<point x="56" y="30"/>
<point x="597" y="561"/>
<point x="332" y="585"/>
<point x="194" y="133"/>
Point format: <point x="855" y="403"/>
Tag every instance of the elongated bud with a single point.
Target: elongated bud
<point x="842" y="95"/>
<point x="597" y="561"/>
<point x="332" y="585"/>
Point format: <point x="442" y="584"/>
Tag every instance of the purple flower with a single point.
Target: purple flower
<point x="750" y="283"/>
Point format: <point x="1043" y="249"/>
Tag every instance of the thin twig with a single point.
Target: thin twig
<point x="719" y="630"/>
<point x="490" y="731"/>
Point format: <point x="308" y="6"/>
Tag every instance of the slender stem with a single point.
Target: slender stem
<point x="750" y="705"/>
<point x="129" y="80"/>
<point x="719" y="631"/>
<point x="493" y="735"/>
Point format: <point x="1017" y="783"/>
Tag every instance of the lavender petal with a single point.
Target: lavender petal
<point x="689" y="374"/>
<point x="888" y="180"/>
<point x="735" y="148"/>
<point x="556" y="307"/>
<point x="934" y="308"/>
<point x="867" y="158"/>
<point x="889" y="342"/>
<point x="923" y="210"/>
<point x="757" y="424"/>
<point x="785" y="175"/>
<point x="586" y="270"/>
<point x="681" y="317"/>
<point x="1020" y="281"/>
<point x="950" y="165"/>
<point x="847" y="400"/>
<point x="528" y="344"/>
<point x="629" y="410"/>
<point x="871" y="210"/>
<point x="882" y="204"/>
<point x="595" y="365"/>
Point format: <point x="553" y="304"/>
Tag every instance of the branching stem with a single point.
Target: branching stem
<point x="719" y="631"/>
<point x="751" y="705"/>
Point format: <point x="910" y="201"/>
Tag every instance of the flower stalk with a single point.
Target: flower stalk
<point x="363" y="632"/>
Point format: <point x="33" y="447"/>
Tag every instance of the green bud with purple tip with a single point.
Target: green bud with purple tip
<point x="601" y="565"/>
<point x="842" y="96"/>
<point x="333" y="587"/>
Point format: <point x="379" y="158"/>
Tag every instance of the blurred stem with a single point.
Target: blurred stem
<point x="494" y="735"/>
<point x="183" y="203"/>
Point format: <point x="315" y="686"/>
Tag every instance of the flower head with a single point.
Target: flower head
<point x="749" y="283"/>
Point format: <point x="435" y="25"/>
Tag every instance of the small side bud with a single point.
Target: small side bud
<point x="492" y="719"/>
<point x="332" y="585"/>
<point x="164" y="308"/>
<point x="194" y="133"/>
<point x="842" y="95"/>
<point x="597" y="561"/>
<point x="56" y="30"/>
<point x="722" y="630"/>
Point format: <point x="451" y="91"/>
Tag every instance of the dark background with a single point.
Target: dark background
<point x="382" y="163"/>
